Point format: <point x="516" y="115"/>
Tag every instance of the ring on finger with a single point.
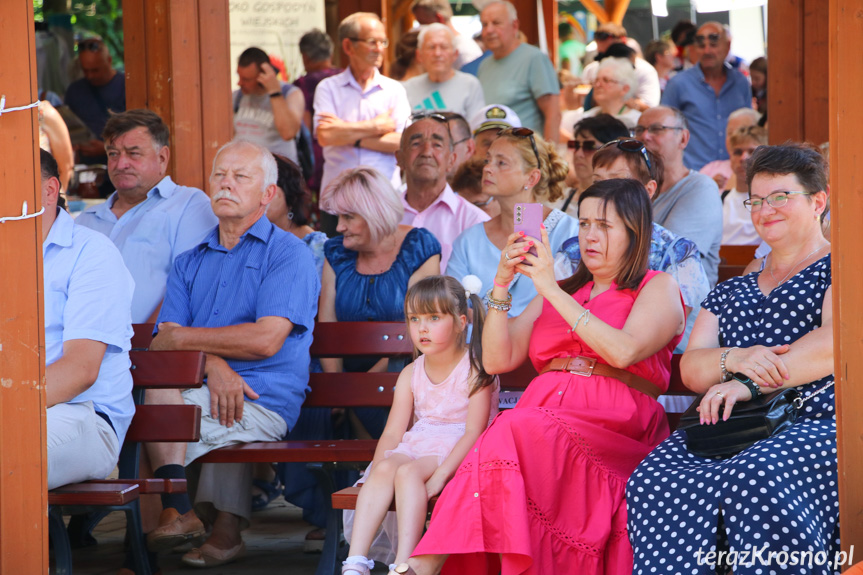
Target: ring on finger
<point x="506" y="255"/>
<point x="720" y="394"/>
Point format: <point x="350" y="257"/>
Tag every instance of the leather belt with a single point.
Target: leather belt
<point x="586" y="366"/>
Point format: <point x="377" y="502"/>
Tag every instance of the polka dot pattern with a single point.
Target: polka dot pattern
<point x="781" y="492"/>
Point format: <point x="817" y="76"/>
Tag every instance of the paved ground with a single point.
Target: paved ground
<point x="274" y="543"/>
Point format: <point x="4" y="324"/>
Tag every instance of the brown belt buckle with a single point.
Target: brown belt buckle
<point x="586" y="369"/>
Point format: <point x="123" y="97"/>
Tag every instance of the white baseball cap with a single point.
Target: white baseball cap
<point x="494" y="116"/>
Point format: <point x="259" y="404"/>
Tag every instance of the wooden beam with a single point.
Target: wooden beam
<point x="178" y="65"/>
<point x="816" y="125"/>
<point x="846" y="175"/>
<point x="785" y="99"/>
<point x="23" y="485"/>
<point x="551" y="16"/>
<point x="616" y="10"/>
<point x="594" y="8"/>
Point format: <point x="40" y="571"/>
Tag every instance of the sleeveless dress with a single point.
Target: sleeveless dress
<point x="440" y="412"/>
<point x="779" y="494"/>
<point x="544" y="485"/>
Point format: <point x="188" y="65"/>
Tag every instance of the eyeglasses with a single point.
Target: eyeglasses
<point x="628" y="145"/>
<point x="526" y="133"/>
<point x="774" y="200"/>
<point x="702" y="40"/>
<point x="603" y="36"/>
<point x="430" y="115"/>
<point x="372" y="42"/>
<point x="604" y="80"/>
<point x="586" y="145"/>
<point x="460" y="141"/>
<point x="653" y="129"/>
<point x="90" y="45"/>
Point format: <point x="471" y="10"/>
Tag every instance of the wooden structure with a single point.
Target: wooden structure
<point x="178" y="64"/>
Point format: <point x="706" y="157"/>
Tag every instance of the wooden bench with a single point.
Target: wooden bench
<point x="180" y="423"/>
<point x="733" y="261"/>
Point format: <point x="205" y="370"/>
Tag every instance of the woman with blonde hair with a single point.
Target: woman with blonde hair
<point x="520" y="168"/>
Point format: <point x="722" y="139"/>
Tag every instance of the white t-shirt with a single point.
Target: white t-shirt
<point x="461" y="94"/>
<point x="468" y="50"/>
<point x="737" y="228"/>
<point x="648" y="80"/>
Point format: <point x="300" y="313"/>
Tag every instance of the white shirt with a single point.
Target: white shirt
<point x="648" y="80"/>
<point x="88" y="295"/>
<point x="737" y="228"/>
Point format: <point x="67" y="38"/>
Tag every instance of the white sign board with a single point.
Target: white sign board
<point x="274" y="26"/>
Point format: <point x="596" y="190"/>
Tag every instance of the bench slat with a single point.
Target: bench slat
<point x="351" y="389"/>
<point x="311" y="451"/>
<point x="174" y="423"/>
<point x="378" y="339"/>
<point x="167" y="369"/>
<point x="149" y="485"/>
<point x="94" y="493"/>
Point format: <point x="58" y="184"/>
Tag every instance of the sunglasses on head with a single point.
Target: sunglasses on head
<point x="526" y="133"/>
<point x="89" y="46"/>
<point x="630" y="145"/>
<point x="603" y="36"/>
<point x="429" y="115"/>
<point x="586" y="145"/>
<point x="702" y="40"/>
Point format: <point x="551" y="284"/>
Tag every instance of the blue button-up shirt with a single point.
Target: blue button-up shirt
<point x="706" y="112"/>
<point x="88" y="294"/>
<point x="268" y="273"/>
<point x="152" y="234"/>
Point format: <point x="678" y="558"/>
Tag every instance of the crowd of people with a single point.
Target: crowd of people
<point x="352" y="196"/>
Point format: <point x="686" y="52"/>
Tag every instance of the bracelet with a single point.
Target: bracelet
<point x="499" y="304"/>
<point x="586" y="320"/>
<point x="504" y="286"/>
<point x="751" y="385"/>
<point x="723" y="373"/>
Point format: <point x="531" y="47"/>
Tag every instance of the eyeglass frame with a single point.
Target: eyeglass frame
<point x="437" y="117"/>
<point x="576" y="145"/>
<point x="702" y="39"/>
<point x="90" y="45"/>
<point x="621" y="144"/>
<point x="526" y="133"/>
<point x="747" y="203"/>
<point x="372" y="42"/>
<point x="603" y="36"/>
<point x="653" y="129"/>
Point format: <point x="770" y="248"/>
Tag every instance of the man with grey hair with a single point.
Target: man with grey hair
<point x="360" y="114"/>
<point x="688" y="203"/>
<point x="442" y="87"/>
<point x="720" y="170"/>
<point x="707" y="94"/>
<point x="247" y="297"/>
<point x="440" y="12"/>
<point x="518" y="75"/>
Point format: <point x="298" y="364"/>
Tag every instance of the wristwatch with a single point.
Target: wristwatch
<point x="357" y="145"/>
<point x="402" y="568"/>
<point x="751" y="385"/>
<point x="276" y="95"/>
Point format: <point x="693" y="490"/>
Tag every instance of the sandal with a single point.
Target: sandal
<point x="270" y="490"/>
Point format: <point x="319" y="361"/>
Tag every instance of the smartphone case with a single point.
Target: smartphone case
<point x="528" y="219"/>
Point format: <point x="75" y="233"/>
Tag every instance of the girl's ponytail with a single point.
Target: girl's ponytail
<point x="472" y="286"/>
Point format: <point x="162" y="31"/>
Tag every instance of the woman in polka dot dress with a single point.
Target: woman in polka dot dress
<point x="772" y="508"/>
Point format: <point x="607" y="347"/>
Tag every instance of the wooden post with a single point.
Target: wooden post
<point x="178" y="65"/>
<point x="846" y="177"/>
<point x="23" y="485"/>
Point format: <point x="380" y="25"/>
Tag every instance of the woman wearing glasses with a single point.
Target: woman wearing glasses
<point x="542" y="490"/>
<point x="520" y="168"/>
<point x="774" y="326"/>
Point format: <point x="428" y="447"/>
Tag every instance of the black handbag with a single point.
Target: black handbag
<point x="750" y="421"/>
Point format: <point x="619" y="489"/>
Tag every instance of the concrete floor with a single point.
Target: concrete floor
<point x="274" y="544"/>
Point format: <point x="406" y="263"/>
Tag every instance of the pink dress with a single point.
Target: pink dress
<point x="440" y="412"/>
<point x="544" y="485"/>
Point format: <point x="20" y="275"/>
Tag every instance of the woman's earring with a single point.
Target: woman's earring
<point x="525" y="188"/>
<point x="290" y="215"/>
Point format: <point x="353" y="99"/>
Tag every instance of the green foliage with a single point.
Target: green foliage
<point x="102" y="17"/>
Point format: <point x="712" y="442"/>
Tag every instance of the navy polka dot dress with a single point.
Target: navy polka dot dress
<point x="779" y="495"/>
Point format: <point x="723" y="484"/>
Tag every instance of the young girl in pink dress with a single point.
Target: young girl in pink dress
<point x="443" y="401"/>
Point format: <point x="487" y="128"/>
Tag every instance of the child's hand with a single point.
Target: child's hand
<point x="435" y="485"/>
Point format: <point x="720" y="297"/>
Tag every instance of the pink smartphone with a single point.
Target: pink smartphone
<point x="528" y="219"/>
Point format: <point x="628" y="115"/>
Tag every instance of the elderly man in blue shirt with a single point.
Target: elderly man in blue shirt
<point x="88" y="328"/>
<point x="707" y="94"/>
<point x="247" y="296"/>
<point x="149" y="218"/>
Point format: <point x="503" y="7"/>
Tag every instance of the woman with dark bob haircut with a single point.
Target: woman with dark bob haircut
<point x="773" y="326"/>
<point x="542" y="490"/>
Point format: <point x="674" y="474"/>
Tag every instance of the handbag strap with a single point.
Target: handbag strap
<point x="798" y="403"/>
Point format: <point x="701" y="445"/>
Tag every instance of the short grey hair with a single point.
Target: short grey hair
<point x="265" y="158"/>
<point x="750" y="113"/>
<point x="623" y="71"/>
<point x="350" y="26"/>
<point x="510" y="7"/>
<point x="316" y="45"/>
<point x="678" y="115"/>
<point x="436" y="27"/>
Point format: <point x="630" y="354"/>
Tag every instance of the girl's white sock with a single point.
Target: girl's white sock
<point x="358" y="560"/>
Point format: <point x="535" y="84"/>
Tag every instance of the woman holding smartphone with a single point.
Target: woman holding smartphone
<point x="542" y="489"/>
<point x="521" y="168"/>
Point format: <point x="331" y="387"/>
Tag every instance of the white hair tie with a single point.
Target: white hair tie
<point x="472" y="285"/>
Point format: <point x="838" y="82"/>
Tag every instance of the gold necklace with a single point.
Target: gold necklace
<point x="807" y="256"/>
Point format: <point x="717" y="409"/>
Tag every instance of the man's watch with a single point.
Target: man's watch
<point x="276" y="95"/>
<point x="357" y="143"/>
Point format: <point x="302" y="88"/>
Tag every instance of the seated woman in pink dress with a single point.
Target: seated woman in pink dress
<point x="542" y="490"/>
